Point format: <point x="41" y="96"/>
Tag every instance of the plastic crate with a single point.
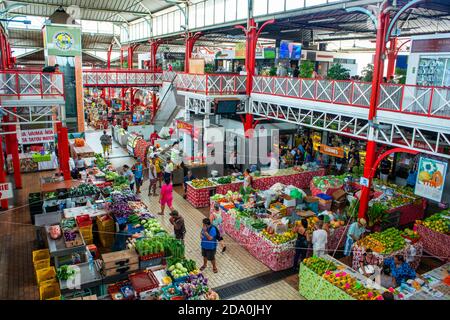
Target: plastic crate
<point x="84" y="221"/>
<point x="151" y="256"/>
<point x="50" y="291"/>
<point x="143" y="281"/>
<point x="169" y="296"/>
<point x="151" y="263"/>
<point x="178" y="280"/>
<point x="86" y="232"/>
<point x="41" y="255"/>
<point x="45" y="274"/>
<point x="41" y="264"/>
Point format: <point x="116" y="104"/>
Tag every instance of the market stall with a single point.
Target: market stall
<point x="297" y="177"/>
<point x="329" y="279"/>
<point x="433" y="285"/>
<point x="78" y="147"/>
<point x="34" y="162"/>
<point x="434" y="233"/>
<point x="386" y="244"/>
<point x="199" y="191"/>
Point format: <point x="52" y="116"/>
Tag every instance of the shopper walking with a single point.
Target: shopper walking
<point x="208" y="244"/>
<point x="166" y="196"/>
<point x="129" y="175"/>
<point x="158" y="168"/>
<point x="179" y="228"/>
<point x="138" y="171"/>
<point x="187" y="178"/>
<point x="217" y="221"/>
<point x="153" y="177"/>
<point x="355" y="232"/>
<point x="302" y="243"/>
<point x="106" y="142"/>
<point x="319" y="240"/>
<point x="168" y="169"/>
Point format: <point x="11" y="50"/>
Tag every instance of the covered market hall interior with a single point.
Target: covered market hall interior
<point x="225" y="149"/>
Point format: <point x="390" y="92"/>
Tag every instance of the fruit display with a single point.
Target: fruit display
<point x="79" y="142"/>
<point x="351" y="286"/>
<point x="319" y="265"/>
<point x="202" y="183"/>
<point x="386" y="242"/>
<point x="279" y="238"/>
<point x="410" y="234"/>
<point x="439" y="222"/>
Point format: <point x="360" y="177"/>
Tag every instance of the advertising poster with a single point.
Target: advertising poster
<point x="431" y="178"/>
<point x="36" y="136"/>
<point x="239" y="51"/>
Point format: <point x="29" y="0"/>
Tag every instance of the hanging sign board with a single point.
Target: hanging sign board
<point x="6" y="191"/>
<point x="364" y="182"/>
<point x="332" y="151"/>
<point x="185" y="127"/>
<point x="62" y="40"/>
<point x="36" y="136"/>
<point x="431" y="178"/>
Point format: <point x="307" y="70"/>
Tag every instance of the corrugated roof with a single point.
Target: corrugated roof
<point x="101" y="10"/>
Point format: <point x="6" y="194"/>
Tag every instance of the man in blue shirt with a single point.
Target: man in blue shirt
<point x="208" y="244"/>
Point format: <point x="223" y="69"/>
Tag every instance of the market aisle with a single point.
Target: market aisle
<point x="280" y="290"/>
<point x="119" y="155"/>
<point x="17" y="236"/>
<point x="235" y="264"/>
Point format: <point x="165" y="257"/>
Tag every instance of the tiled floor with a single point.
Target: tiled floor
<point x="280" y="290"/>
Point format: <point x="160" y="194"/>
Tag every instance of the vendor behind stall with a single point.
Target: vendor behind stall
<point x="400" y="269"/>
<point x="355" y="232"/>
<point x="120" y="241"/>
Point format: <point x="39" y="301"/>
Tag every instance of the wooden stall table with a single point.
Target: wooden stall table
<point x="53" y="186"/>
<point x="85" y="152"/>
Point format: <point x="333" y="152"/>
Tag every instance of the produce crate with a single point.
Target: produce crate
<point x="151" y="263"/>
<point x="41" y="264"/>
<point x="151" y="256"/>
<point x="178" y="280"/>
<point x="74" y="243"/>
<point x="45" y="274"/>
<point x="143" y="281"/>
<point x="115" y="288"/>
<point x="167" y="295"/>
<point x="86" y="231"/>
<point x="106" y="240"/>
<point x="42" y="254"/>
<point x="84" y="220"/>
<point x="50" y="291"/>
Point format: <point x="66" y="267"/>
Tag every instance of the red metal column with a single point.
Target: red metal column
<point x="190" y="42"/>
<point x="383" y="21"/>
<point x="392" y="56"/>
<point x="252" y="33"/>
<point x="14" y="148"/>
<point x="3" y="203"/>
<point x="154" y="106"/>
<point x="109" y="56"/>
<point x="154" y="45"/>
<point x="63" y="150"/>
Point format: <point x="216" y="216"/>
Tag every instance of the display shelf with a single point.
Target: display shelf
<point x="434" y="243"/>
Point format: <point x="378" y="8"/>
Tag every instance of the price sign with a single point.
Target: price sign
<point x="6" y="191"/>
<point x="364" y="182"/>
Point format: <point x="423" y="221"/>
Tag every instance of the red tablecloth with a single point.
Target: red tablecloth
<point x="411" y="212"/>
<point x="224" y="188"/>
<point x="199" y="198"/>
<point x="358" y="253"/>
<point x="435" y="243"/>
<point x="300" y="180"/>
<point x="276" y="257"/>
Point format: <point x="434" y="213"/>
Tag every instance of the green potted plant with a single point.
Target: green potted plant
<point x="338" y="72"/>
<point x="306" y="69"/>
<point x="367" y="73"/>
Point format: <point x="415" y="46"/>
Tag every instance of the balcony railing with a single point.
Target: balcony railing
<point x="27" y="84"/>
<point x="211" y="84"/>
<point x="121" y="78"/>
<point x="406" y="99"/>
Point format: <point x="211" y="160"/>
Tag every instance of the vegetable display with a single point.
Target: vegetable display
<point x="65" y="272"/>
<point x="100" y="162"/>
<point x="84" y="189"/>
<point x="319" y="265"/>
<point x="147" y="247"/>
<point x="224" y="180"/>
<point x="202" y="183"/>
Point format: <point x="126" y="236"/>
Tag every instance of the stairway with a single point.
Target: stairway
<point x="170" y="105"/>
